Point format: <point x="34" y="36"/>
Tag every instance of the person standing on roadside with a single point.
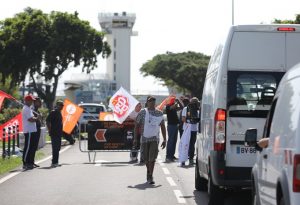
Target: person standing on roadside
<point x="54" y="123"/>
<point x="149" y="121"/>
<point x="190" y="118"/>
<point x="185" y="102"/>
<point x="173" y="121"/>
<point x="29" y="130"/>
<point x="37" y="103"/>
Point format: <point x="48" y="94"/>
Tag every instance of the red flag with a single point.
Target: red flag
<point x="17" y="120"/>
<point x="169" y="100"/>
<point x="4" y="95"/>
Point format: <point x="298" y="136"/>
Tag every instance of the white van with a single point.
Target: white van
<point x="276" y="174"/>
<point x="91" y="111"/>
<point x="241" y="80"/>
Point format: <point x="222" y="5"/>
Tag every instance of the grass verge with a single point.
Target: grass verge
<point x="13" y="162"/>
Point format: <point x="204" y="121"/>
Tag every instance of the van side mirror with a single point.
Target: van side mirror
<point x="251" y="137"/>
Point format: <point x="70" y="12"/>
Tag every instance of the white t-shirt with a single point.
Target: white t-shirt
<point x="194" y="127"/>
<point x="28" y="126"/>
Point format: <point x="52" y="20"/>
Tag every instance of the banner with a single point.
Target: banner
<point x="71" y="114"/>
<point x="17" y="120"/>
<point x="169" y="100"/>
<point x="122" y="104"/>
<point x="4" y="95"/>
<point x="184" y="144"/>
<point x="110" y="135"/>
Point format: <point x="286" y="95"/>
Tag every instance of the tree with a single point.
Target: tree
<point x="296" y="21"/>
<point x="184" y="70"/>
<point x="45" y="46"/>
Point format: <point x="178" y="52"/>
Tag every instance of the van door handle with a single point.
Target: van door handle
<point x="265" y="156"/>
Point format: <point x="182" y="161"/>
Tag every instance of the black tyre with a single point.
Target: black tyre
<point x="216" y="194"/>
<point x="254" y="194"/>
<point x="200" y="182"/>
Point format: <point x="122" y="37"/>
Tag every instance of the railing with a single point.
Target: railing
<point x="10" y="138"/>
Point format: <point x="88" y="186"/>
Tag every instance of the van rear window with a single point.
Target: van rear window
<point x="92" y="109"/>
<point x="250" y="94"/>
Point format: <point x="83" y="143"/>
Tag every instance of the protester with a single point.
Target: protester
<point x="30" y="133"/>
<point x="185" y="102"/>
<point x="136" y="142"/>
<point x="37" y="103"/>
<point x="173" y="121"/>
<point x="149" y="121"/>
<point x="190" y="118"/>
<point x="55" y="127"/>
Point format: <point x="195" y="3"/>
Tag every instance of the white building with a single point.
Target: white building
<point x="118" y="29"/>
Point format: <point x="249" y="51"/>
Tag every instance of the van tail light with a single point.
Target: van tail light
<point x="296" y="174"/>
<point x="286" y="29"/>
<point x="220" y="125"/>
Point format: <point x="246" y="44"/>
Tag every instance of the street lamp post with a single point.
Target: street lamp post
<point x="232" y="12"/>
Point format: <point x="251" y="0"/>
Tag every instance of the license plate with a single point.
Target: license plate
<point x="245" y="150"/>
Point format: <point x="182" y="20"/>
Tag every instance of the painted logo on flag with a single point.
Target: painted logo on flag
<point x="121" y="105"/>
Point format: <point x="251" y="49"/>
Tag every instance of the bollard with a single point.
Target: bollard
<point x="3" y="145"/>
<point x="14" y="140"/>
<point x="8" y="143"/>
<point x="18" y="137"/>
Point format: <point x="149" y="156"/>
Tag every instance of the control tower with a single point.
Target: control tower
<point x="118" y="29"/>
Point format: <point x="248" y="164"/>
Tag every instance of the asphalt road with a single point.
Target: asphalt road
<point x="111" y="180"/>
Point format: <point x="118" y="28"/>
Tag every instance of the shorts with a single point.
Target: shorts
<point x="150" y="151"/>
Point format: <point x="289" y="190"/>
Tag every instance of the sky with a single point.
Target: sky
<point x="165" y="25"/>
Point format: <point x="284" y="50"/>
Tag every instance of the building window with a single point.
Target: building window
<point x="115" y="77"/>
<point x="115" y="43"/>
<point x="115" y="67"/>
<point x="115" y="55"/>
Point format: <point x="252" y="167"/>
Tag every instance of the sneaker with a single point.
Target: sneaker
<point x="151" y="181"/>
<point x="133" y="161"/>
<point x="55" y="165"/>
<point x="175" y="158"/>
<point x="168" y="160"/>
<point x="182" y="164"/>
<point x="35" y="165"/>
<point x="28" y="167"/>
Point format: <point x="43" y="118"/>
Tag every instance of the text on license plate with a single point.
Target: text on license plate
<point x="245" y="150"/>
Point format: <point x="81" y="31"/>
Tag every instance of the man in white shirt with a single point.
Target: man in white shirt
<point x="191" y="118"/>
<point x="30" y="132"/>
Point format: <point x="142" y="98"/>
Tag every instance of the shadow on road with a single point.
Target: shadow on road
<point x="144" y="186"/>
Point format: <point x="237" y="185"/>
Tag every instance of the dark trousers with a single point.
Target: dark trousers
<point x="31" y="141"/>
<point x="192" y="144"/>
<point x="36" y="141"/>
<point x="56" y="144"/>
<point x="172" y="140"/>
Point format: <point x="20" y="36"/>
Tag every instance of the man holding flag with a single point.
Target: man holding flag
<point x="149" y="121"/>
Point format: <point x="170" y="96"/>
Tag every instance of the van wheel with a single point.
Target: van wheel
<point x="281" y="201"/>
<point x="254" y="194"/>
<point x="200" y="182"/>
<point x="216" y="194"/>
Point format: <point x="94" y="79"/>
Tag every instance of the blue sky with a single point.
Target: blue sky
<point x="166" y="25"/>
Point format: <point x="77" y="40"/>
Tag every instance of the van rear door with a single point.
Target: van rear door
<point x="249" y="96"/>
<point x="292" y="49"/>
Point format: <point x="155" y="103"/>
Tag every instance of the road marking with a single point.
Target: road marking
<point x="171" y="181"/>
<point x="38" y="162"/>
<point x="179" y="196"/>
<point x="99" y="163"/>
<point x="166" y="171"/>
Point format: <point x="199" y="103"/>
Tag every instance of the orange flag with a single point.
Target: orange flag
<point x="71" y="114"/>
<point x="106" y="116"/>
<point x="169" y="100"/>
